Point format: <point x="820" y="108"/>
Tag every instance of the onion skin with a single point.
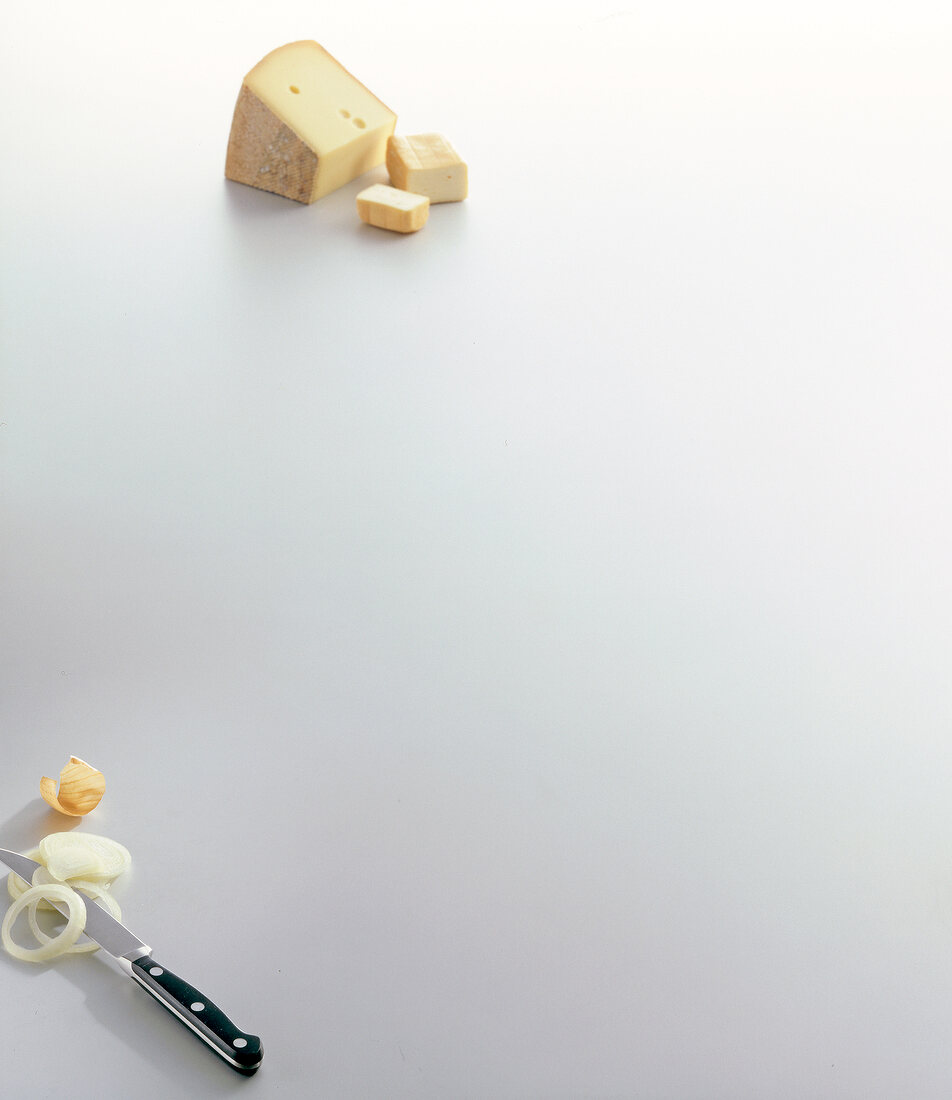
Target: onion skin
<point x="80" y="790"/>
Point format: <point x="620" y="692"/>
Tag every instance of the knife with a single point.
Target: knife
<point x="239" y="1049"/>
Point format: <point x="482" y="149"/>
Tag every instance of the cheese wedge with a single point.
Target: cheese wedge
<point x="388" y="208"/>
<point x="428" y="165"/>
<point x="303" y="126"/>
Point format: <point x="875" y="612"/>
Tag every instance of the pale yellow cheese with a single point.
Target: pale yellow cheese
<point x="390" y="208"/>
<point x="303" y="126"/>
<point x="428" y="165"/>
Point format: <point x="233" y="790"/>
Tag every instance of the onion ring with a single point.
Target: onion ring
<point x="92" y="890"/>
<point x="83" y="855"/>
<point x="101" y="859"/>
<point x="58" y="944"/>
<point x="15" y="884"/>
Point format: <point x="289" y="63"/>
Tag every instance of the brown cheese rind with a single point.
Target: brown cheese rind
<point x="265" y="153"/>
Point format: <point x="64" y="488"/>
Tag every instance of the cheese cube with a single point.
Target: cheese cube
<point x="428" y="165"/>
<point x="303" y="126"/>
<point x="389" y="208"/>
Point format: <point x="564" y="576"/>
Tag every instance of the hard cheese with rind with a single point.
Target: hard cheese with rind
<point x="388" y="208"/>
<point x="304" y="126"/>
<point x="428" y="165"/>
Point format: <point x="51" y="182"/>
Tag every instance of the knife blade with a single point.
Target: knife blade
<point x="239" y="1049"/>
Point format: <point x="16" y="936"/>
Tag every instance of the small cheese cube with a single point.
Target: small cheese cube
<point x="303" y="126"/>
<point x="388" y="208"/>
<point x="427" y="165"/>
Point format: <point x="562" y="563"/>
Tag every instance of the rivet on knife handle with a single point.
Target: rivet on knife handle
<point x="240" y="1050"/>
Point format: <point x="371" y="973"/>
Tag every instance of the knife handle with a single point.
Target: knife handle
<point x="239" y="1049"/>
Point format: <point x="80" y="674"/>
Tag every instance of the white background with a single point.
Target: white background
<point x="519" y="652"/>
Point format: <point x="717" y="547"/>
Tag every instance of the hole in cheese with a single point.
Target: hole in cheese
<point x="295" y="89"/>
<point x="344" y="113"/>
<point x="359" y="123"/>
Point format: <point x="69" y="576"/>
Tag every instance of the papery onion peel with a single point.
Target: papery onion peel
<point x="81" y="788"/>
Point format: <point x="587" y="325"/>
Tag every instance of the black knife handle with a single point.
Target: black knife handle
<point x="240" y="1050"/>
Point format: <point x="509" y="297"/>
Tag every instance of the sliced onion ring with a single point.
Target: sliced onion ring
<point x="16" y="885"/>
<point x="58" y="944"/>
<point x="83" y="855"/>
<point x="103" y="859"/>
<point x="93" y="890"/>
